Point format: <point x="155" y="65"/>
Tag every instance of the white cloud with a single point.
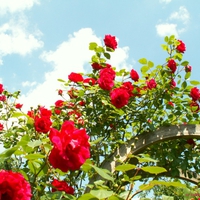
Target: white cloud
<point x="182" y="14"/>
<point x="28" y="84"/>
<point x="13" y="6"/>
<point x="15" y="38"/>
<point x="165" y="1"/>
<point x="70" y="56"/>
<point x="167" y="29"/>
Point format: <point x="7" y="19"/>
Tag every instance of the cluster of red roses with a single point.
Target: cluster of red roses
<point x="70" y="145"/>
<point x="195" y="94"/>
<point x="2" y="97"/>
<point x="120" y="96"/>
<point x="70" y="149"/>
<point x="42" y="119"/>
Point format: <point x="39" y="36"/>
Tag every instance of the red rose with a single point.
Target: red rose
<point x="129" y="87"/>
<point x="2" y="98"/>
<point x="181" y="47"/>
<point x="151" y="84"/>
<point x="119" y="97"/>
<point x="81" y="103"/>
<point x="60" y="92"/>
<point x="90" y="81"/>
<point x="18" y="105"/>
<point x="81" y="121"/>
<point x="173" y="83"/>
<point x="134" y="75"/>
<point x="1" y="127"/>
<point x="42" y="124"/>
<point x="110" y="41"/>
<point x="188" y="68"/>
<point x="194" y="107"/>
<point x="106" y="78"/>
<point x="75" y="77"/>
<point x="73" y="93"/>
<point x="57" y="111"/>
<point x="44" y="112"/>
<point x="195" y="93"/>
<point x="170" y="103"/>
<point x="62" y="186"/>
<point x="105" y="83"/>
<point x="108" y="73"/>
<point x="59" y="103"/>
<point x="191" y="142"/>
<point x="108" y="65"/>
<point x="71" y="147"/>
<point x="31" y="114"/>
<point x="1" y="88"/>
<point x="172" y="65"/>
<point x="96" y="66"/>
<point x="75" y="113"/>
<point x="13" y="186"/>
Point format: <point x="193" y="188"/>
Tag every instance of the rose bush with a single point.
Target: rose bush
<point x="95" y="114"/>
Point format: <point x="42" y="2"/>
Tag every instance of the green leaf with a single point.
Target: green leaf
<point x="100" y="50"/>
<point x="164" y="47"/>
<point x="150" y="64"/>
<point x="114" y="197"/>
<point x="184" y="84"/>
<point x="146" y="186"/>
<point x="34" y="156"/>
<point x="101" y="194"/>
<point x="164" y="197"/>
<point x="187" y="75"/>
<point x="92" y="46"/>
<point x="9" y="152"/>
<point x="95" y="59"/>
<point x="18" y="114"/>
<point x="166" y="39"/>
<point x="107" y="55"/>
<point x="100" y="138"/>
<point x="194" y="82"/>
<point x="87" y="165"/>
<point x="177" y="184"/>
<point x="146" y="159"/>
<point x="125" y="167"/>
<point x="185" y="63"/>
<point x="103" y="173"/>
<point x="35" y="143"/>
<point x="154" y="169"/>
<point x="144" y="69"/>
<point x="88" y="197"/>
<point x="172" y="37"/>
<point x="142" y="61"/>
<point x="61" y="80"/>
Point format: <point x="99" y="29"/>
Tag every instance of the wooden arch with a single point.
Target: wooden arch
<point x="139" y="144"/>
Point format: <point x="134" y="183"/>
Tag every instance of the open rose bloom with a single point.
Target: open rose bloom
<point x="13" y="186"/>
<point x="71" y="147"/>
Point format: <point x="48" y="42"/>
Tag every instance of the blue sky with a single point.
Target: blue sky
<point x="43" y="40"/>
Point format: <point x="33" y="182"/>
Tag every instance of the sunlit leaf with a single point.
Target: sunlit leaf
<point x="153" y="169"/>
<point x="142" y="61"/>
<point x="125" y="167"/>
<point x="101" y="194"/>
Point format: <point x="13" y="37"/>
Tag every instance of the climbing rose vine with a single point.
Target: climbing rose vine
<point x="64" y="151"/>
